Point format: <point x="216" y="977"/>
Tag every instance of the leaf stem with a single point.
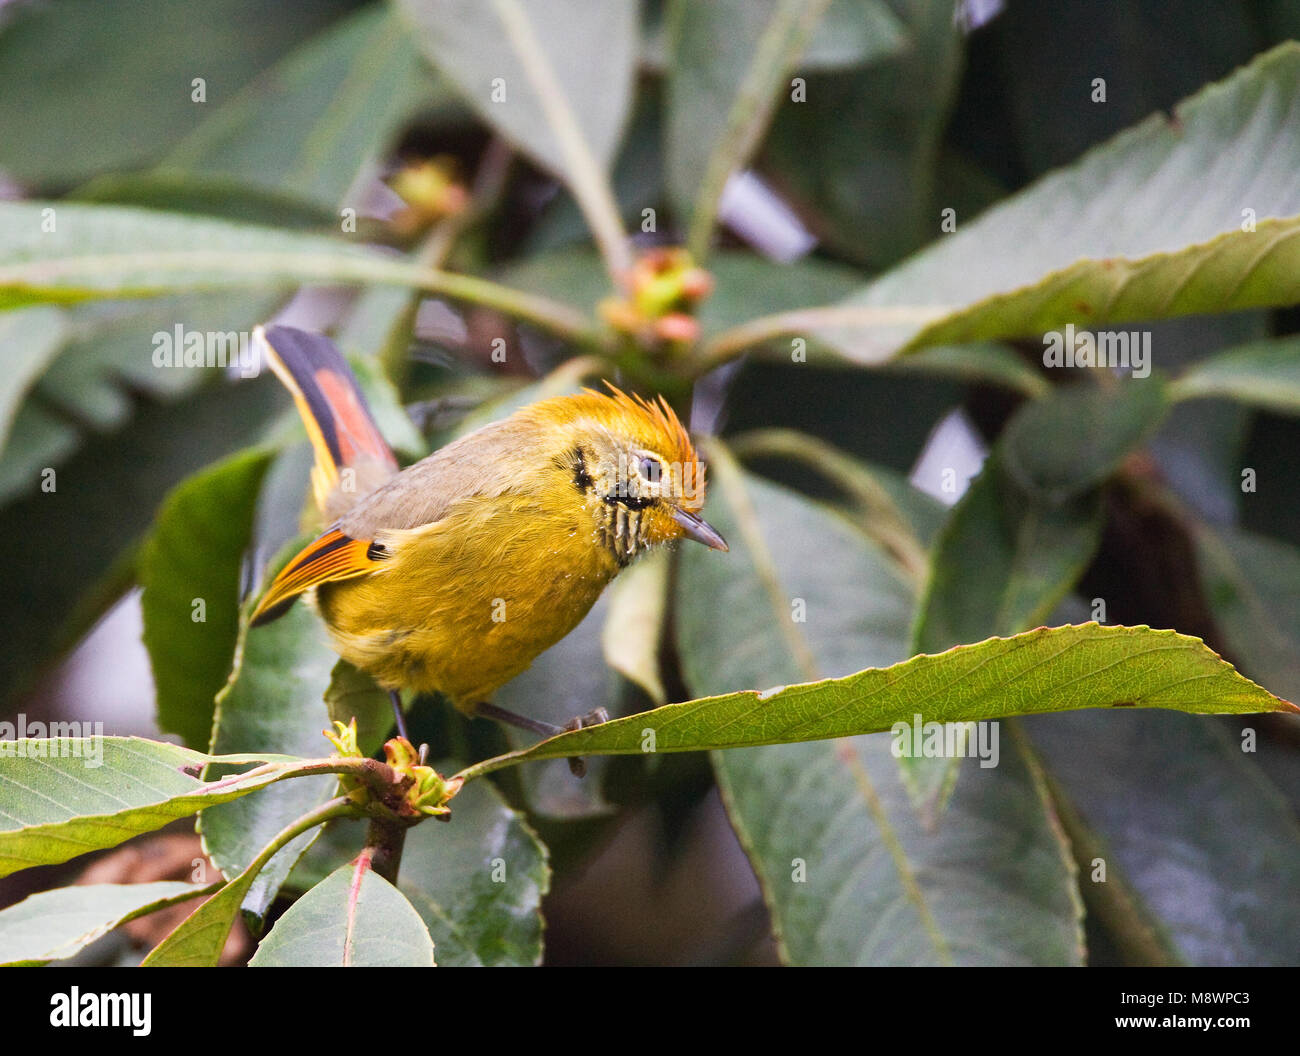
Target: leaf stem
<point x="585" y="175"/>
<point x="884" y="522"/>
<point x="729" y="344"/>
<point x="175" y="943"/>
<point x="28" y="282"/>
<point x="1115" y="905"/>
<point x="337" y="807"/>
<point x="779" y="47"/>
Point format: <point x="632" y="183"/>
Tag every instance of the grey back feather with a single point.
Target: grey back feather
<point x="487" y="461"/>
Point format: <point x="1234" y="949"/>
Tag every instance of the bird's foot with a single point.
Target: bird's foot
<point x="578" y="765"/>
<point x="593" y="718"/>
<point x="545" y="729"/>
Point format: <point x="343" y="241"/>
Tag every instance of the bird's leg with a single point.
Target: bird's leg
<point x="577" y="765"/>
<point x="396" y="699"/>
<point x="513" y="718"/>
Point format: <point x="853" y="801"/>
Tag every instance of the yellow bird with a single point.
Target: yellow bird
<point x="453" y="574"/>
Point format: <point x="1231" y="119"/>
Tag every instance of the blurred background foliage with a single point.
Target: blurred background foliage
<point x="807" y="152"/>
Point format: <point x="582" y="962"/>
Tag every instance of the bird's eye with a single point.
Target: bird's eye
<point x="650" y="468"/>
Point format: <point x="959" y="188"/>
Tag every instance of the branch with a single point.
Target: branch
<point x="385" y="838"/>
<point x="731" y="343"/>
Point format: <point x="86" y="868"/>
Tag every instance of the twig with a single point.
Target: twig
<point x="385" y="838"/>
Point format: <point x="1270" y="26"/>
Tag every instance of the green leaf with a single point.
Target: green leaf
<point x="1263" y="373"/>
<point x="589" y="49"/>
<point x="1002" y="562"/>
<point x="991" y="887"/>
<point x="63" y="797"/>
<point x="477" y="882"/>
<point x="29" y="340"/>
<point x="197" y="941"/>
<point x="848" y="871"/>
<point x="574" y="276"/>
<point x="308" y="125"/>
<point x="274" y="700"/>
<point x="1198" y="448"/>
<point x="799" y="572"/>
<point x="115" y="351"/>
<point x="638" y="182"/>
<point x="54" y="925"/>
<point x="749" y="286"/>
<point x="571" y="678"/>
<point x="194" y="556"/>
<point x="99" y="503"/>
<point x="116" y="251"/>
<point x="1043" y="670"/>
<point x="1252" y="585"/>
<point x="888" y="510"/>
<point x="554" y="77"/>
<point x="746" y="285"/>
<point x="873" y="194"/>
<point x="851" y="34"/>
<point x="1071" y="440"/>
<point x="633" y="631"/>
<point x="983" y="361"/>
<point x="1096" y="243"/>
<point x="98" y="251"/>
<point x="728" y="62"/>
<point x="37" y="441"/>
<point x="74" y="69"/>
<point x="353" y="694"/>
<point x="1188" y="825"/>
<point x="180" y="192"/>
<point x="354" y="918"/>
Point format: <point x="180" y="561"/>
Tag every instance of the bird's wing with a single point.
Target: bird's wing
<point x="497" y="459"/>
<point x="331" y="556"/>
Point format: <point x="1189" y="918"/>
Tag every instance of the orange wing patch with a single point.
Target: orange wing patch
<point x="332" y="556"/>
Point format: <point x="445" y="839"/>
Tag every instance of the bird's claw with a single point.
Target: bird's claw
<point x="578" y="765"/>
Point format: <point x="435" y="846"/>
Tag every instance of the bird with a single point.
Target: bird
<point x="453" y="574"/>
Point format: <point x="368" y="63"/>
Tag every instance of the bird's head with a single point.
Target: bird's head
<point x="633" y="464"/>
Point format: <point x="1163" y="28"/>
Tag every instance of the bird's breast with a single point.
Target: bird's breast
<point x="463" y="605"/>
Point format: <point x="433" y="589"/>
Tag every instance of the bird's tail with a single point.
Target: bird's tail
<point x="352" y="457"/>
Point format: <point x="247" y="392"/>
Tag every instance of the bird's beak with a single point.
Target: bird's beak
<point x="699" y="530"/>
